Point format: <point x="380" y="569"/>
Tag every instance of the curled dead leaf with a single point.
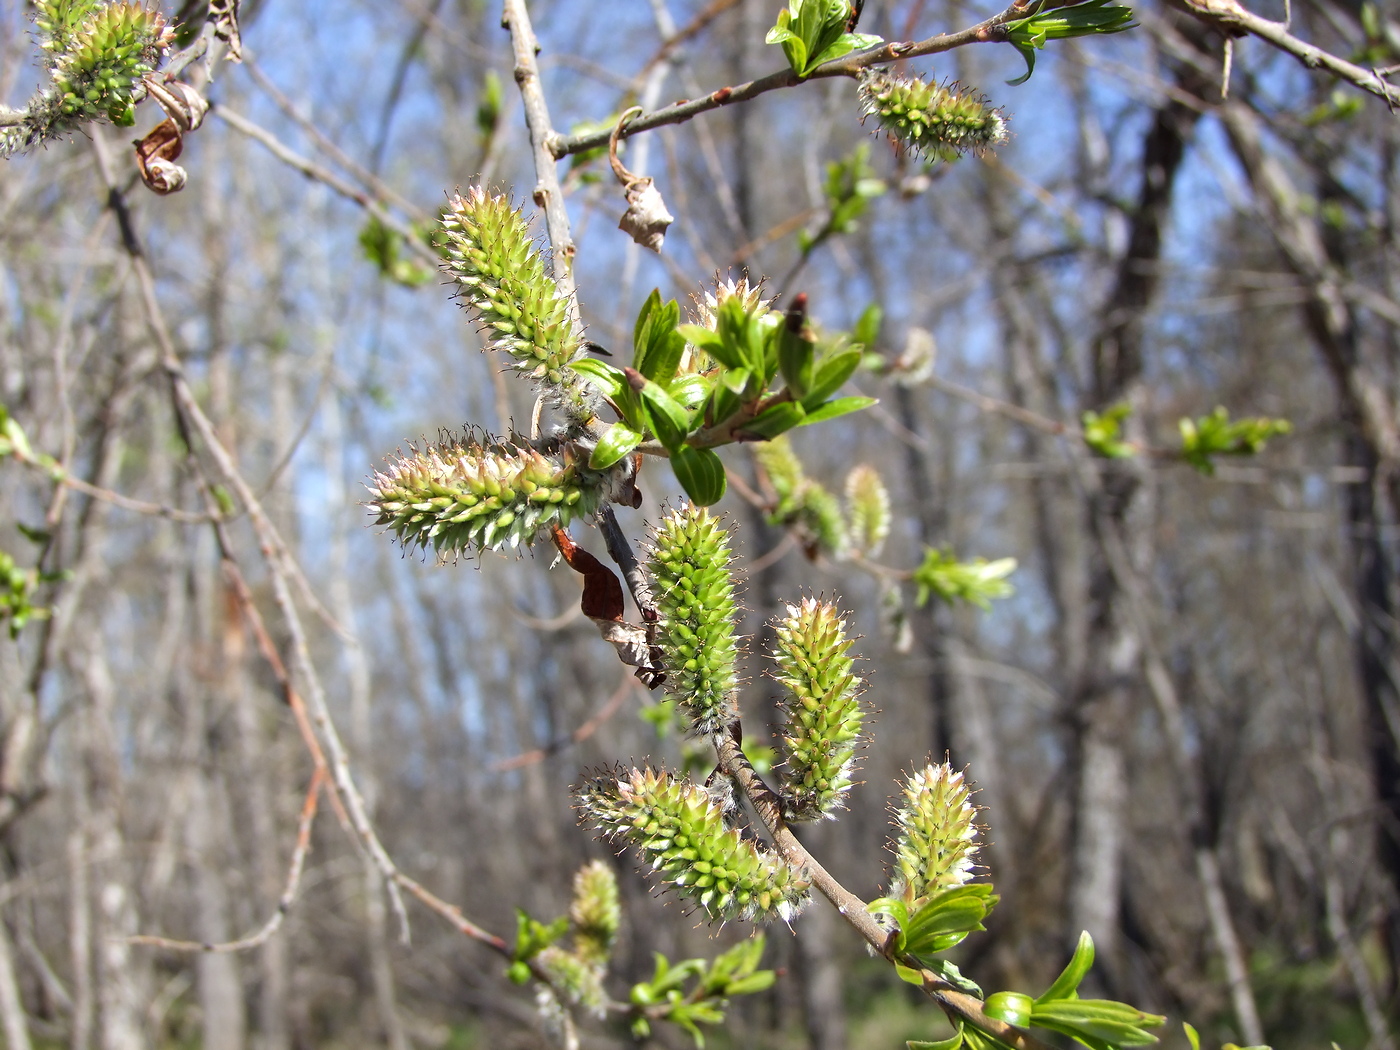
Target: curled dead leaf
<point x="156" y="155"/>
<point x="646" y="218"/>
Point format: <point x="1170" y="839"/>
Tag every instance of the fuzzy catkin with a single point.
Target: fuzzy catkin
<point x="822" y="711"/>
<point x="681" y="830"/>
<point x="695" y="599"/>
<point x="473" y="497"/>
<point x="940" y="121"/>
<point x="937" y="836"/>
<point x="500" y="273"/>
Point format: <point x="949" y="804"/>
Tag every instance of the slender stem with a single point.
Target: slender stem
<point x="620" y="550"/>
<point x="956" y="1004"/>
<point x="548" y="193"/>
<point x="850" y="66"/>
<point x="1233" y="15"/>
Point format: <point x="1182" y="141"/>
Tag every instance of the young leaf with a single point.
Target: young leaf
<point x="867" y="329"/>
<point x="831" y="374"/>
<point x="1011" y="1007"/>
<point x="774" y="420"/>
<point x="607" y="379"/>
<point x="796" y="352"/>
<point x="617" y="441"/>
<point x="951" y="1043"/>
<point x="948" y="917"/>
<point x="669" y="418"/>
<point x="1066" y="985"/>
<point x="842" y="406"/>
<point x="701" y="474"/>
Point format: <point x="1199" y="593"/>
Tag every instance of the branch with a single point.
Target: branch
<point x="956" y="1004"/>
<point x="1231" y="15"/>
<point x="330" y="179"/>
<point x="548" y="193"/>
<point x="985" y="32"/>
<point x="56" y="472"/>
<point x="284" y="903"/>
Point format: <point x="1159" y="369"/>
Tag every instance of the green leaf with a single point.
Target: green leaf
<point x="1011" y="1007"/>
<point x="897" y="910"/>
<point x="736" y="379"/>
<point x="697" y="335"/>
<point x="954" y="976"/>
<point x="951" y="1043"/>
<point x="775" y="420"/>
<point x="1101" y="1020"/>
<point x="793" y="46"/>
<point x="1218" y="435"/>
<point x="609" y="380"/>
<point x="617" y="441"/>
<point x="691" y="390"/>
<point x="867" y="329"/>
<point x="657" y="347"/>
<point x="701" y="474"/>
<point x="1029" y="34"/>
<point x="1102" y="431"/>
<point x="1194" y="1039"/>
<point x="909" y="975"/>
<point x="844" y="45"/>
<point x="796" y="356"/>
<point x="1066" y="985"/>
<point x="669" y="417"/>
<point x="758" y="982"/>
<point x="842" y="406"/>
<point x="978" y="581"/>
<point x="532" y="937"/>
<point x="831" y="375"/>
<point x="952" y="912"/>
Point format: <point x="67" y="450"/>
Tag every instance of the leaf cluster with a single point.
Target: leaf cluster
<point x="1053" y="22"/>
<point x="712" y="984"/>
<point x="1218" y="435"/>
<point x="978" y="581"/>
<point x="752" y="376"/>
<point x="815" y="31"/>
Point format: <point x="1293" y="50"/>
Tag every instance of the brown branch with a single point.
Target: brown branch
<point x="284" y="903"/>
<point x="328" y="178"/>
<point x="956" y="1004"/>
<point x="1231" y="15"/>
<point x="582" y="733"/>
<point x="548" y="194"/>
<point x="988" y="31"/>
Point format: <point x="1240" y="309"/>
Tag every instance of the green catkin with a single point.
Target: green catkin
<point x="695" y="633"/>
<point x="680" y="829"/>
<point x="937" y="835"/>
<point x="96" y="56"/>
<point x="595" y="913"/>
<point x="472" y="497"/>
<point x="823" y="712"/>
<point x="500" y="273"/>
<point x="867" y="510"/>
<point x="940" y="121"/>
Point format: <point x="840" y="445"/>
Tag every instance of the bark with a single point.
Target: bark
<point x="1371" y="442"/>
<point x="12" y="1016"/>
<point x="1106" y="697"/>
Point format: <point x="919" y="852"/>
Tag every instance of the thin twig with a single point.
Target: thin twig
<point x="988" y="31"/>
<point x="578" y="736"/>
<point x="851" y="908"/>
<point x="156" y="510"/>
<point x="330" y="179"/>
<point x="284" y="903"/>
<point x="548" y="194"/>
<point x="1230" y="14"/>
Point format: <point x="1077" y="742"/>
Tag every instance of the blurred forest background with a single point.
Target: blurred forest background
<point x="1185" y="724"/>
